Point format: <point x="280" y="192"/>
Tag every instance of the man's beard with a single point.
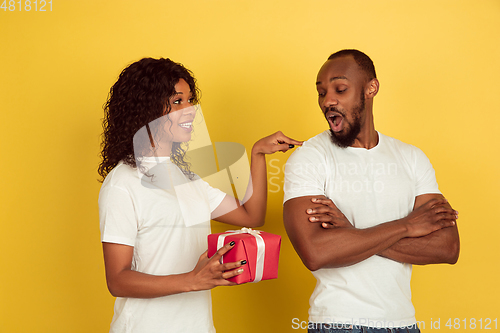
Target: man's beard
<point x="346" y="137"/>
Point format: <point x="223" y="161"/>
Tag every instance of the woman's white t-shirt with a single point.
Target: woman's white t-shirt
<point x="149" y="213"/>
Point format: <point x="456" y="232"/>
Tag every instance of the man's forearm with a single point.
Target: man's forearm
<point x="343" y="246"/>
<point x="350" y="245"/>
<point x="320" y="248"/>
<point x="442" y="246"/>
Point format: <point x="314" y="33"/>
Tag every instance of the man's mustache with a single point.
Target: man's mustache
<point x="332" y="109"/>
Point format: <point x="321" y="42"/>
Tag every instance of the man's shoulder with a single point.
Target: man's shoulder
<point x="396" y="143"/>
<point x="315" y="147"/>
<point x="392" y="141"/>
<point x="320" y="142"/>
<point x="319" y="139"/>
<point x="408" y="151"/>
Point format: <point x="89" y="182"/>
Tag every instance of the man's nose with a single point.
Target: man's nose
<point x="330" y="100"/>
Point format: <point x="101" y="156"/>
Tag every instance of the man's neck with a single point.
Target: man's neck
<point x="367" y="137"/>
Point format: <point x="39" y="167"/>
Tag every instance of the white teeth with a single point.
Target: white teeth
<point x="186" y="125"/>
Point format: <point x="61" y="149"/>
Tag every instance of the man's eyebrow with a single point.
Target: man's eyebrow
<point x="334" y="78"/>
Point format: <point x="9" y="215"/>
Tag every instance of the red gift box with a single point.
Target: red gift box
<point x="260" y="249"/>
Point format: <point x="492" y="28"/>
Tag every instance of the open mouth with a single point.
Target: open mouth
<point x="336" y="121"/>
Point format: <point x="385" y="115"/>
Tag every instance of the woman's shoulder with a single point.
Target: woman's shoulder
<point x="121" y="176"/>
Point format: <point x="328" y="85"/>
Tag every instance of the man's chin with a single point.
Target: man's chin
<point x="342" y="141"/>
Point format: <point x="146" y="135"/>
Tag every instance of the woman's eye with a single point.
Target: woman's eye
<point x="191" y="100"/>
<point x="341" y="90"/>
<point x="177" y="101"/>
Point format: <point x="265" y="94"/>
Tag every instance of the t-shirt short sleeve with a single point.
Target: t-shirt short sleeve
<point x="305" y="174"/>
<point x="117" y="216"/>
<point x="215" y="196"/>
<point x="425" y="176"/>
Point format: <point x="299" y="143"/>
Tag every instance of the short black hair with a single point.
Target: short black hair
<point x="364" y="62"/>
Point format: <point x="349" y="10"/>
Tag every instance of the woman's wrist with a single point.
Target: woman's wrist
<point x="256" y="150"/>
<point x="188" y="282"/>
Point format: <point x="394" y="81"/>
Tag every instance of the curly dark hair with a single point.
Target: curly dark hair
<point x="139" y="96"/>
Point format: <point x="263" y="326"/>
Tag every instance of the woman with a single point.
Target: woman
<point x="153" y="249"/>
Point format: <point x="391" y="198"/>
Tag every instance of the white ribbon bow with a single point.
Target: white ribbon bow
<point x="261" y="249"/>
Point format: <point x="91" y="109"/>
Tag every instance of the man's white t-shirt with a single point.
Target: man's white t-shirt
<point x="144" y="212"/>
<point x="370" y="186"/>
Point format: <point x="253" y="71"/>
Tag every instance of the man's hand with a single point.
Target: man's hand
<point x="338" y="244"/>
<point x="327" y="214"/>
<point x="429" y="217"/>
<point x="441" y="246"/>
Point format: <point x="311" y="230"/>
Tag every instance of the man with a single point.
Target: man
<point x="360" y="208"/>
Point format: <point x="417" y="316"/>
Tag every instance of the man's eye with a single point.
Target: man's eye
<point x="321" y="94"/>
<point x="340" y="91"/>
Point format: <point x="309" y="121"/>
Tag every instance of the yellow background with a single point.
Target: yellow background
<point x="256" y="62"/>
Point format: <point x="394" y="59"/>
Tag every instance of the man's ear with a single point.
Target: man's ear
<point x="372" y="88"/>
